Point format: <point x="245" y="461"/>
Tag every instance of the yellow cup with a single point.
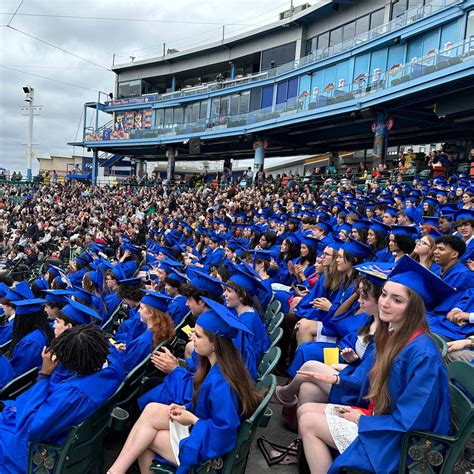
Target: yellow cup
<point x="331" y="355"/>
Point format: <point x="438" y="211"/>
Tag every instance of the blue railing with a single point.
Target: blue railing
<point x="410" y="16"/>
<point x="365" y="85"/>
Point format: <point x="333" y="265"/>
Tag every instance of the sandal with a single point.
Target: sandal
<point x="276" y="398"/>
<point x="277" y="454"/>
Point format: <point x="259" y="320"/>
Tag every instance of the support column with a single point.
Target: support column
<point x="95" y="166"/>
<point x="232" y="71"/>
<point x="173" y="83"/>
<point x="141" y="169"/>
<point x="380" y="130"/>
<point x="259" y="157"/>
<point x="171" y="155"/>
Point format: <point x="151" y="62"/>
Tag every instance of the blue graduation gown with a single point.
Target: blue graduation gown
<point x="212" y="259"/>
<point x="383" y="255"/>
<point x="112" y="301"/>
<point x="469" y="254"/>
<point x="458" y="276"/>
<point x="131" y="328"/>
<point x="128" y="268"/>
<point x="419" y="391"/>
<point x="48" y="410"/>
<point x="260" y="340"/>
<point x="304" y="308"/>
<point x="6" y="332"/>
<point x="27" y="353"/>
<point x="177" y="309"/>
<point x="137" y="350"/>
<point x="6" y="371"/>
<point x="215" y="434"/>
<point x="76" y="277"/>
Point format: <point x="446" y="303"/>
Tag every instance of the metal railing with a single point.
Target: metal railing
<point x="410" y="16"/>
<point x="331" y="95"/>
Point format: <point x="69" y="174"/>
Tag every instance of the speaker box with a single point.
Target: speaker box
<point x="195" y="146"/>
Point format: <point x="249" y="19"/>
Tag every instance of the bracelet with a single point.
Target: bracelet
<point x="43" y="375"/>
<point x="336" y="380"/>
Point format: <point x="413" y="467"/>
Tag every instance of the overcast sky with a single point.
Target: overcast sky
<point x="67" y="82"/>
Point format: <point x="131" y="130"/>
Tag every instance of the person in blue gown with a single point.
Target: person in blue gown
<point x="407" y="387"/>
<point x="177" y="308"/>
<point x="224" y="395"/>
<point x="31" y="332"/>
<point x="60" y="399"/>
<point x="6" y="371"/>
<point x="160" y="328"/>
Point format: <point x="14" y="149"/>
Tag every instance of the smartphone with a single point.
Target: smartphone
<point x="301" y="288"/>
<point x="112" y="341"/>
<point x="342" y="409"/>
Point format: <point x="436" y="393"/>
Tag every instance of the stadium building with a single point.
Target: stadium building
<point x="337" y="75"/>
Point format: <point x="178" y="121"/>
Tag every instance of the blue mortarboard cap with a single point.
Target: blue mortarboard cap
<point x="165" y="250"/>
<point x="204" y="282"/>
<point x="178" y="277"/>
<point x="430" y="220"/>
<point x="29" y="306"/>
<point x="151" y="259"/>
<point x="441" y="192"/>
<point x="4" y="289"/>
<point x="41" y="283"/>
<point x="21" y="291"/>
<point x="82" y="294"/>
<point x="79" y="313"/>
<point x="221" y="321"/>
<point x="84" y="258"/>
<point x="376" y="272"/>
<point x="294" y="239"/>
<point x="133" y="281"/>
<point x="356" y="248"/>
<point x="262" y="254"/>
<point x="407" y="230"/>
<point x="129" y="247"/>
<point x="447" y="210"/>
<point x="156" y="300"/>
<point x="310" y="241"/>
<point x="345" y="227"/>
<point x="391" y="210"/>
<point x="380" y="227"/>
<point x="326" y="226"/>
<point x="97" y="278"/>
<point x="413" y="214"/>
<point x="53" y="270"/>
<point x="431" y="201"/>
<point x="57" y="296"/>
<point x="361" y="224"/>
<point x="63" y="277"/>
<point x="233" y="244"/>
<point x="169" y="265"/>
<point x="435" y="233"/>
<point x="335" y="244"/>
<point x="97" y="247"/>
<point x="429" y="287"/>
<point x="463" y="214"/>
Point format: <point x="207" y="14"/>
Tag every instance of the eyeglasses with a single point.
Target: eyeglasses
<point x="422" y="242"/>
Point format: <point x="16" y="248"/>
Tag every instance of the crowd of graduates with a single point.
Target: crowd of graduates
<point x="371" y="272"/>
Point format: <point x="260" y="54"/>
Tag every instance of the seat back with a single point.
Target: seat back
<point x="132" y="384"/>
<point x="272" y="309"/>
<point x="269" y="361"/>
<point x="236" y="461"/>
<point x="5" y="346"/>
<point x="82" y="449"/>
<point x="19" y="384"/>
<point x="275" y="337"/>
<point x="109" y="324"/>
<point x="275" y="322"/>
<point x="461" y="378"/>
<point x="441" y="344"/>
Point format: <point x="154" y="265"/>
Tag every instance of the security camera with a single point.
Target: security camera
<point x="27" y="89"/>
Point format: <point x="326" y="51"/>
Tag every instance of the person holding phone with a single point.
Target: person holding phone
<point x="407" y="387"/>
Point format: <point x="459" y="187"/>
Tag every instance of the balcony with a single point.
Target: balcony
<point x="409" y="17"/>
<point x="364" y="86"/>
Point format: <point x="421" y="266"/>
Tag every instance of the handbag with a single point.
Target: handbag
<point x="277" y="454"/>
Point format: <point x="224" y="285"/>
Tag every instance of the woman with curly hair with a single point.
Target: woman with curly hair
<point x="160" y="328"/>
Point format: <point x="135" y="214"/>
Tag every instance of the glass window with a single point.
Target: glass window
<point x="203" y="111"/>
<point x="398" y="8"/>
<point x="224" y="105"/>
<point x="323" y="40"/>
<point x="160" y="117"/>
<point x="414" y="3"/>
<point x="234" y="104"/>
<point x="215" y="106"/>
<point x="267" y="97"/>
<point x="282" y="90"/>
<point x="244" y="102"/>
<point x="195" y="112"/>
<point x="349" y="31"/>
<point x="470" y="25"/>
<point x="255" y="99"/>
<point x="335" y="37"/>
<point x="188" y="113"/>
<point x="277" y="56"/>
<point x="169" y="116"/>
<point x="129" y="88"/>
<point x="292" y="88"/>
<point x="178" y="115"/>
<point x="376" y="18"/>
<point x="362" y="25"/>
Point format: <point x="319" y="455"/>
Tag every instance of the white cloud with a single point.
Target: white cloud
<point x="95" y="40"/>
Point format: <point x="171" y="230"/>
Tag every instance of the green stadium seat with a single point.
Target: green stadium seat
<point x="275" y="322"/>
<point x="423" y="451"/>
<point x="275" y="337"/>
<point x="272" y="309"/>
<point x="236" y="461"/>
<point x="269" y="361"/>
<point x="19" y="385"/>
<point x="82" y="451"/>
<point x="441" y="344"/>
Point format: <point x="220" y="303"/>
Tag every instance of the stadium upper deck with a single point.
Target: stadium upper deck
<point x="311" y="82"/>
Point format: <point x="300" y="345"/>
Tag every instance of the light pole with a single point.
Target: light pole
<point x="29" y="91"/>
